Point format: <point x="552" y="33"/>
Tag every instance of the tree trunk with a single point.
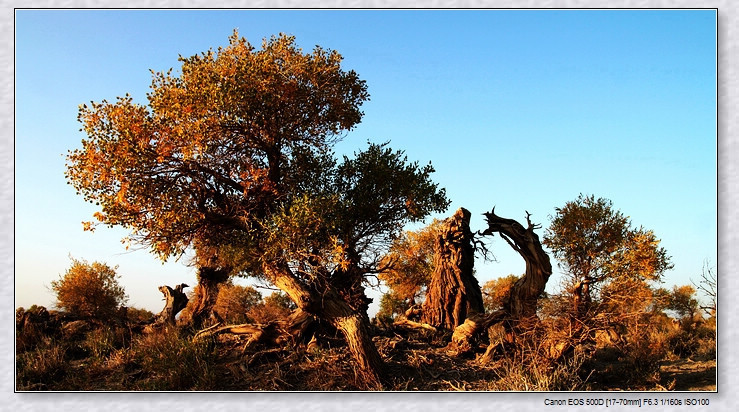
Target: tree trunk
<point x="371" y="366"/>
<point x="329" y="306"/>
<point x="519" y="309"/>
<point x="521" y="303"/>
<point x="454" y="293"/>
<point x="210" y="280"/>
<point x="175" y="300"/>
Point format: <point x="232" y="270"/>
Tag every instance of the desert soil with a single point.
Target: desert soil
<point x="688" y="375"/>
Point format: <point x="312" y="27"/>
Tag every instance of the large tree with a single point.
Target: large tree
<point x="232" y="158"/>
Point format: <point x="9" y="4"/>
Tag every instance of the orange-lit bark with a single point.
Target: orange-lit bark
<point x="454" y="293"/>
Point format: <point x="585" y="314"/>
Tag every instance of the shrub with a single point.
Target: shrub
<point x="276" y="306"/>
<point x="234" y="301"/>
<point x="89" y="290"/>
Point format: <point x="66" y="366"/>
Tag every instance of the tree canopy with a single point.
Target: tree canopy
<point x="217" y="147"/>
<point x="89" y="290"/>
<point x="232" y="158"/>
<point x="604" y="255"/>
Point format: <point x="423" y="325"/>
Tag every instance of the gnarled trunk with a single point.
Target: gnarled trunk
<point x="210" y="280"/>
<point x="454" y="293"/>
<point x="328" y="305"/>
<point x="174" y="301"/>
<point x="519" y="309"/>
<point x="525" y="293"/>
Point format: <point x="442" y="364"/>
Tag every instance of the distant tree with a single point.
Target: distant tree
<point x="391" y="305"/>
<point x="496" y="291"/>
<point x="232" y="158"/>
<point x="280" y="300"/>
<point x="235" y="301"/>
<point x="603" y="255"/>
<point x="409" y="263"/>
<point x="90" y="290"/>
<point x="683" y="302"/>
<point x="276" y="306"/>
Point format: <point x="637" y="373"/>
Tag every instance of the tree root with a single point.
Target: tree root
<point x="271" y="334"/>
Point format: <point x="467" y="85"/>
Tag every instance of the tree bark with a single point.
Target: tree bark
<point x="519" y="309"/>
<point x="210" y="280"/>
<point x="175" y="300"/>
<point x="454" y="293"/>
<point x="521" y="303"/>
<point x="329" y="306"/>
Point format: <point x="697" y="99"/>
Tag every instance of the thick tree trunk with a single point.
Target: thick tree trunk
<point x="371" y="366"/>
<point x="454" y="293"/>
<point x="329" y="306"/>
<point x="519" y="309"/>
<point x="210" y="280"/>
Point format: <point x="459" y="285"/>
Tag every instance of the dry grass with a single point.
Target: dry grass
<point x="115" y="359"/>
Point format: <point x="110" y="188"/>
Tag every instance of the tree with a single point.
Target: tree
<point x="707" y="285"/>
<point x="391" y="305"/>
<point x="90" y="290"/>
<point x="453" y="292"/>
<point x="603" y="255"/>
<point x="235" y="301"/>
<point x="496" y="291"/>
<point x="409" y="263"/>
<point x="273" y="307"/>
<point x="682" y="300"/>
<point x="280" y="300"/>
<point x="232" y="158"/>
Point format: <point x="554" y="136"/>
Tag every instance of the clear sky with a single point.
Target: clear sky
<point x="520" y="109"/>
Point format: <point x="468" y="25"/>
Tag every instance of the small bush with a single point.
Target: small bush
<point x="89" y="290"/>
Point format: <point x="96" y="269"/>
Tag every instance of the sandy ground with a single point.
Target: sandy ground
<point x="689" y="375"/>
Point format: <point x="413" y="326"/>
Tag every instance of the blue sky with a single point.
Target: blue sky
<point x="518" y="109"/>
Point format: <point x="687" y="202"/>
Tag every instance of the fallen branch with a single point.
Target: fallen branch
<point x="405" y="322"/>
<point x="271" y="333"/>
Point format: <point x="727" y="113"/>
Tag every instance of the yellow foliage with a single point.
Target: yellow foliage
<point x="409" y="262"/>
<point x="89" y="289"/>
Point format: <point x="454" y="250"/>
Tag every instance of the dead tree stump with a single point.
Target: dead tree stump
<point x="453" y="293"/>
<point x="175" y="300"/>
<point x="519" y="309"/>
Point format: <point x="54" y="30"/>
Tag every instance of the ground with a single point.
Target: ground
<point x="86" y="359"/>
<point x="688" y="375"/>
